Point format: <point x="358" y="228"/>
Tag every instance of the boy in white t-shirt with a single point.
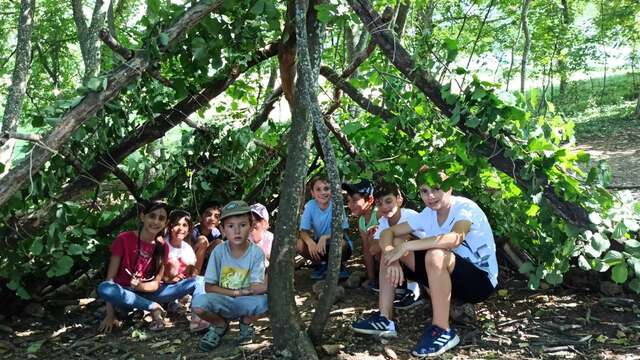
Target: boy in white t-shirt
<point x="389" y="202"/>
<point x="457" y="259"/>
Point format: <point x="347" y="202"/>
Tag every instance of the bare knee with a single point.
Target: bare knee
<point x="199" y="311"/>
<point x="437" y="259"/>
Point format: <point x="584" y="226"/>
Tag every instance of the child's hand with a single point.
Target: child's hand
<point x="135" y="281"/>
<point x="106" y="325"/>
<point x="322" y="244"/>
<point x="393" y="254"/>
<point x="395" y="275"/>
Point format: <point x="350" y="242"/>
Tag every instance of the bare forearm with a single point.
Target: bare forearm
<point x="306" y="237"/>
<point x="444" y="241"/>
<point x="212" y="288"/>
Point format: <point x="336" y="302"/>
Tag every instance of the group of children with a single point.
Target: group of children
<point x="448" y="248"/>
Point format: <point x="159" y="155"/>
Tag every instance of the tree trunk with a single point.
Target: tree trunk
<point x="562" y="63"/>
<point x="527" y="43"/>
<point x="638" y="107"/>
<point x="492" y="149"/>
<point x="88" y="35"/>
<point x="119" y="79"/>
<point x="286" y="325"/>
<point x="152" y="130"/>
<point x="309" y="58"/>
<point x="19" y="80"/>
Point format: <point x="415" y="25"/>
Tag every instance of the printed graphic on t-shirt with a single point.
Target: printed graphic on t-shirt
<point x="144" y="259"/>
<point x="234" y="277"/>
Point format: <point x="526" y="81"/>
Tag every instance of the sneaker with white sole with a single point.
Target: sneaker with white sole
<point x="376" y="324"/>
<point x="408" y="301"/>
<point x="435" y="341"/>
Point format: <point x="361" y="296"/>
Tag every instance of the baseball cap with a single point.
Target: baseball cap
<point x="364" y="187"/>
<point x="260" y="210"/>
<point x="236" y="207"/>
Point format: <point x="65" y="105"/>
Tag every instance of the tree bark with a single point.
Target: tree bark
<point x="88" y="34"/>
<point x="119" y="79"/>
<point x="286" y="325"/>
<point x="638" y="108"/>
<point x="19" y="80"/>
<point x="309" y="76"/>
<point x="527" y="43"/>
<point x="492" y="149"/>
<point x="562" y="63"/>
<point x="144" y="134"/>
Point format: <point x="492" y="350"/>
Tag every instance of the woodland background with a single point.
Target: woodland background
<point x="110" y="101"/>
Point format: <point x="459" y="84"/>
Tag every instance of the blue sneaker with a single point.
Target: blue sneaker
<point x="319" y="272"/>
<point x="344" y="273"/>
<point x="376" y="324"/>
<point x="435" y="341"/>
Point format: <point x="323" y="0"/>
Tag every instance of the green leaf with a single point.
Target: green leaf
<point x="619" y="231"/>
<point x="61" y="267"/>
<point x="325" y="12"/>
<point x="95" y="84"/>
<point x="583" y="263"/>
<point x="526" y="267"/>
<point x="75" y="249"/>
<point x="595" y="218"/>
<point x="634" y="262"/>
<point x="533" y="210"/>
<point x="89" y="231"/>
<point x="451" y="45"/>
<point x="258" y="7"/>
<point x="455" y="116"/>
<point x="205" y="186"/>
<point x="613" y="257"/>
<point x="36" y="247"/>
<point x="600" y="243"/>
<point x="35" y="346"/>
<point x="554" y="278"/>
<point x="163" y="38"/>
<point x="619" y="273"/>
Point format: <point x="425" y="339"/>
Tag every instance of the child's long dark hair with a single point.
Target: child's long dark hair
<point x="158" y="251"/>
<point x="174" y="218"/>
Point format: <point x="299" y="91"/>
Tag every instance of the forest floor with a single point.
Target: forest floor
<point x="515" y="323"/>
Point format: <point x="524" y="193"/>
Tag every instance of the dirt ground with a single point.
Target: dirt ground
<point x="514" y="323"/>
<point x="573" y="322"/>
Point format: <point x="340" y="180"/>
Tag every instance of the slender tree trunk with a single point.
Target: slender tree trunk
<point x="562" y="63"/>
<point x="638" y="107"/>
<point x="88" y="35"/>
<point x="527" y="43"/>
<point x="290" y="337"/>
<point x="19" y="80"/>
<point x="513" y="56"/>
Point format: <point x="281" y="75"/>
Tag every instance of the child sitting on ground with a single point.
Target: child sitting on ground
<point x="317" y="217"/>
<point x="260" y="234"/>
<point x="234" y="280"/>
<point x="389" y="201"/>
<point x="362" y="206"/>
<point x="206" y="235"/>
<point x="457" y="259"/>
<point x="136" y="268"/>
<point x="181" y="259"/>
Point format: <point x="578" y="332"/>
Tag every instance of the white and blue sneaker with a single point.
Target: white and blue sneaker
<point x="435" y="341"/>
<point x="376" y="324"/>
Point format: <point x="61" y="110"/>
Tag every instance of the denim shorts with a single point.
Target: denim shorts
<point x="230" y="307"/>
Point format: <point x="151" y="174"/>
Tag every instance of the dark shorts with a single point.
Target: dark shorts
<point x="468" y="283"/>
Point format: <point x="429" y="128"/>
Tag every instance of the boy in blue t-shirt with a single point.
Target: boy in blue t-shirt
<point x="315" y="230"/>
<point x="234" y="281"/>
<point x="206" y="235"/>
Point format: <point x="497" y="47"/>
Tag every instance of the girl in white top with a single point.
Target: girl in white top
<point x="181" y="258"/>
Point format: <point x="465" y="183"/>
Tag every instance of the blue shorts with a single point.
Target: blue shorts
<point x="230" y="307"/>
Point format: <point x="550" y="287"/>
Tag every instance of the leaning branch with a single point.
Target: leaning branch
<point x="492" y="149"/>
<point x="152" y="130"/>
<point x="119" y="79"/>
